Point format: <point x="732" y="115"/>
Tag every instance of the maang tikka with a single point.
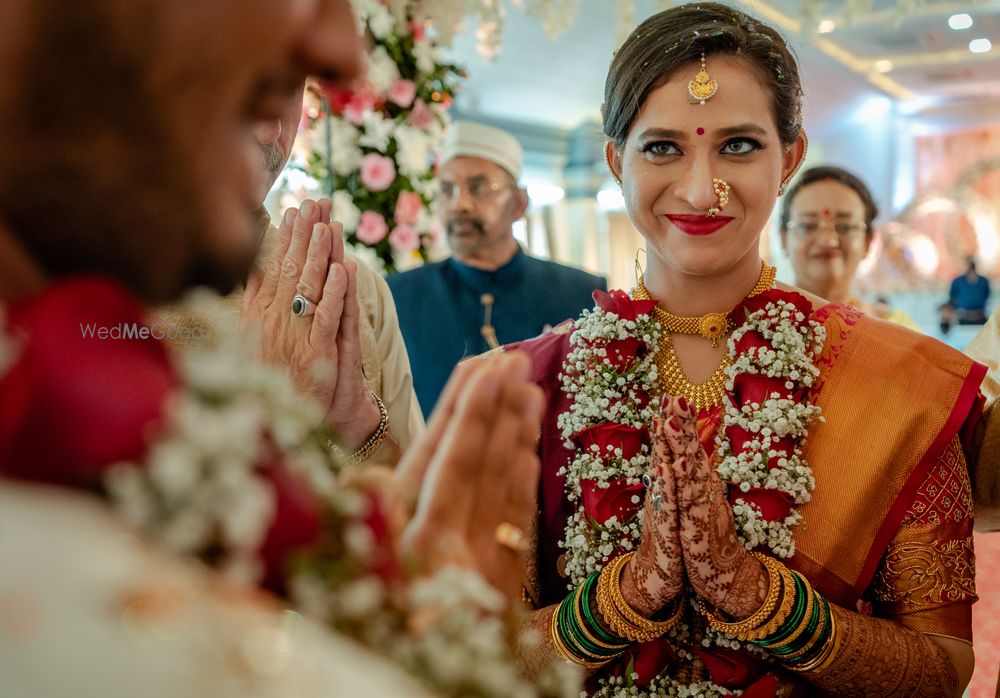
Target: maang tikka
<point x="702" y="87"/>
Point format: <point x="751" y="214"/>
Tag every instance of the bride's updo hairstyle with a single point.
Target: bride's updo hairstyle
<point x="677" y="37"/>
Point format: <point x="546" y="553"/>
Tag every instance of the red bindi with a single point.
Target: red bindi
<point x="701" y="131"/>
<point x="827" y="213"/>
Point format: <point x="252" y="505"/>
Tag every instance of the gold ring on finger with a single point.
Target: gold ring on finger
<point x="510" y="536"/>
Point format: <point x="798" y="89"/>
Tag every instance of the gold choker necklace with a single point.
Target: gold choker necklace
<point x="711" y="326"/>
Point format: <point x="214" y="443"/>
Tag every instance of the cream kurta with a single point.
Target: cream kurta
<point x="89" y="609"/>
<point x="386" y="364"/>
<point x="985" y="465"/>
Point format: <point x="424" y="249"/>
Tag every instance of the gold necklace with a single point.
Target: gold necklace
<point x="670" y="375"/>
<point x="711" y="326"/>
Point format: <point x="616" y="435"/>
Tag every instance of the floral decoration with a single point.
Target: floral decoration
<point x="609" y="375"/>
<point x="372" y="144"/>
<point x="211" y="455"/>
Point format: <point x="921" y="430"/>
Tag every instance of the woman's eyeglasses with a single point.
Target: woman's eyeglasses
<point x="810" y="228"/>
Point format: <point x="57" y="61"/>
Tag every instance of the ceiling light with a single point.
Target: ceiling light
<point x="960" y="21"/>
<point x="980" y="45"/>
<point x="883" y="66"/>
<point x="826" y="26"/>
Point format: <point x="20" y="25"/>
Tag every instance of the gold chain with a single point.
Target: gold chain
<point x="670" y="375"/>
<point x="711" y="326"/>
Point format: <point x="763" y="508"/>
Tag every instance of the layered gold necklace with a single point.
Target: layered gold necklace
<point x="713" y="327"/>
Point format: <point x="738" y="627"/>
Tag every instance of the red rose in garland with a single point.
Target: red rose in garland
<point x="601" y="503"/>
<point x="80" y="397"/>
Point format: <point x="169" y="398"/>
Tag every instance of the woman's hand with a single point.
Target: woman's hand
<point x="654" y="577"/>
<point x="718" y="566"/>
<point x="476" y="473"/>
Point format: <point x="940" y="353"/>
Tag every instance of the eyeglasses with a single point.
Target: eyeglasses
<point x="478" y="189"/>
<point x="810" y="228"/>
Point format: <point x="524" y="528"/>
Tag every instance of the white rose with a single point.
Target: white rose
<point x="377" y="131"/>
<point x="345" y="212"/>
<point x="346" y="153"/>
<point x="414" y="156"/>
<point x="382" y="70"/>
<point x="381" y="21"/>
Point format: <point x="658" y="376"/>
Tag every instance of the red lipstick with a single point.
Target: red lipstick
<point x="698" y="225"/>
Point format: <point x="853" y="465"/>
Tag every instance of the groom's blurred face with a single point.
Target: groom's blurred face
<point x="128" y="128"/>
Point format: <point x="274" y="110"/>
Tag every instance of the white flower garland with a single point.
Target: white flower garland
<point x="601" y="394"/>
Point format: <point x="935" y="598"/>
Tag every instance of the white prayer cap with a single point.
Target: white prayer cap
<point x="474" y="140"/>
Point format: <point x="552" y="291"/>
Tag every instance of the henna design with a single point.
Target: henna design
<point x="655" y="575"/>
<point x="533" y="652"/>
<point x="876" y="657"/>
<point x="719" y="568"/>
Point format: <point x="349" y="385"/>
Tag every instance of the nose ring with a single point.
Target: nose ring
<point x="721" y="188"/>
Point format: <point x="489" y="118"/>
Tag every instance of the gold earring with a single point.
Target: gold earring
<point x="607" y="161"/>
<point x="805" y="151"/>
<point x="721" y="188"/>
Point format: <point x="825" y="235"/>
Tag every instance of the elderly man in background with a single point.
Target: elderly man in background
<point x="489" y="292"/>
<point x="368" y="344"/>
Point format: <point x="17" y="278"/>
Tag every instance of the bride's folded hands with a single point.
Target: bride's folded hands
<point x="719" y="568"/>
<point x="653" y="578"/>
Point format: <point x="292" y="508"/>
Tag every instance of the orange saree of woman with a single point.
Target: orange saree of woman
<point x="888" y="528"/>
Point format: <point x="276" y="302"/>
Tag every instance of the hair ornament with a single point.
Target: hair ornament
<point x="702" y="87"/>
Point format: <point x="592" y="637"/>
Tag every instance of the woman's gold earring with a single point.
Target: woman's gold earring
<point x="607" y="161"/>
<point x="805" y="151"/>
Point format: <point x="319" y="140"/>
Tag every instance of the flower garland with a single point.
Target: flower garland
<point x="372" y="145"/>
<point x="610" y="375"/>
<point x="212" y="455"/>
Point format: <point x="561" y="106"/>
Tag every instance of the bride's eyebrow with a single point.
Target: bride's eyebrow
<point x="741" y="129"/>
<point x="662" y="133"/>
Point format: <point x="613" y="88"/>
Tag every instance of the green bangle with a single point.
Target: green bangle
<point x="806" y="635"/>
<point x="576" y="637"/>
<point x="794" y="619"/>
<point x="809" y="649"/>
<point x="588" y="614"/>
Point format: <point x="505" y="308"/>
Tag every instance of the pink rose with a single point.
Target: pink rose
<point x="408" y="206"/>
<point x="601" y="503"/>
<point x="372" y="228"/>
<point x="619" y="303"/>
<point x="404" y="238"/>
<point x="402" y="92"/>
<point x="417" y="29"/>
<point x="421" y="115"/>
<point x="361" y="103"/>
<point x="377" y="172"/>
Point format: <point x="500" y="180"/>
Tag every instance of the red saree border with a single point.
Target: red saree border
<point x="960" y="412"/>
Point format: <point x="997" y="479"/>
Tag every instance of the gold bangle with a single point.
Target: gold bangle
<point x="621" y="618"/>
<point x="804" y="623"/>
<point x="817" y="632"/>
<point x="827" y="654"/>
<point x="372" y="443"/>
<point x="751" y="627"/>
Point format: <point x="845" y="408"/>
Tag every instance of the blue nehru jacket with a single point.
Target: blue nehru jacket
<point x="441" y="311"/>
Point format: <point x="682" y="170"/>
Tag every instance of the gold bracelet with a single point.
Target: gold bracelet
<point x="621" y="618"/>
<point x="374" y="441"/>
<point x="827" y="654"/>
<point x="804" y="623"/>
<point x="751" y="627"/>
<point x="564" y="653"/>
